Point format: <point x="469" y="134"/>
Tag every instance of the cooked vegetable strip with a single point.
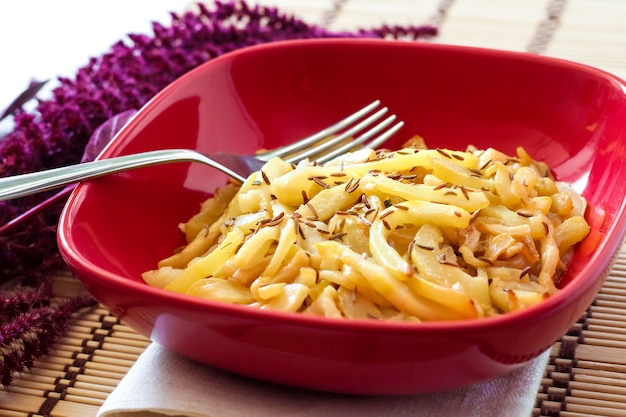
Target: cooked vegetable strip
<point x="416" y="234"/>
<point x="414" y="213"/>
<point x="426" y="255"/>
<point x="395" y="291"/>
<point x="437" y="194"/>
<point x="209" y="265"/>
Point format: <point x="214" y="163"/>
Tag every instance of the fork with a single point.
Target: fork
<point x="320" y="147"/>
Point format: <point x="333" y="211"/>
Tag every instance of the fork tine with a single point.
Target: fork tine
<point x="328" y="144"/>
<point x="365" y="136"/>
<point x="383" y="138"/>
<point x="284" y="151"/>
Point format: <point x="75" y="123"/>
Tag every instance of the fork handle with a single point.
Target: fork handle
<point x="35" y="182"/>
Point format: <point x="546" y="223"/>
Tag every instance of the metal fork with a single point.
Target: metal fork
<point x="320" y="147"/>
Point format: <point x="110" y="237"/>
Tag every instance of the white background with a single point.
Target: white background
<point x="43" y="39"/>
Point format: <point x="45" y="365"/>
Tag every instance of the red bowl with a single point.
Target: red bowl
<point x="571" y="116"/>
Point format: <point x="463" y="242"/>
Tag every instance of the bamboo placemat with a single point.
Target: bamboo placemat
<point x="586" y="373"/>
<point x="86" y="365"/>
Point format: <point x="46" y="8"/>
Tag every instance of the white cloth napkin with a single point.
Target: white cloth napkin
<point x="162" y="383"/>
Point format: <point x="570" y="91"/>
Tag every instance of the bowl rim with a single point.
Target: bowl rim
<point x="584" y="280"/>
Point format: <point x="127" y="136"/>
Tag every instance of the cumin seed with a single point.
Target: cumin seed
<point x="319" y="182"/>
<point x="465" y="193"/>
<point x="267" y="180"/>
<point x="310" y="206"/>
<point x="348" y="184"/>
<point x="474" y="216"/>
<point x="354" y="186"/>
<point x="337" y="236"/>
<point x="444" y="153"/>
<point x="424" y="247"/>
<point x="485" y="165"/>
<point x="523" y="214"/>
<point x="276" y="220"/>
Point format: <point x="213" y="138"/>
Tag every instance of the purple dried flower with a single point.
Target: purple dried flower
<point x="22" y="299"/>
<point x="31" y="335"/>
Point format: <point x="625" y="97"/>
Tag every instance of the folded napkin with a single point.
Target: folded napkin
<point x="162" y="383"/>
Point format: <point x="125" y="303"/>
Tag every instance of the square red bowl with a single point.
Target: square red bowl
<point x="571" y="116"/>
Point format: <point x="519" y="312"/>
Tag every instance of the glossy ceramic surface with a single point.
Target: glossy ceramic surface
<point x="571" y="116"/>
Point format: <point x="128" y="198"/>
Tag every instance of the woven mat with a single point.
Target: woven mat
<point x="586" y="374"/>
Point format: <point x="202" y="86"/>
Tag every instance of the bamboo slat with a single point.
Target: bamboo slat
<point x="586" y="374"/>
